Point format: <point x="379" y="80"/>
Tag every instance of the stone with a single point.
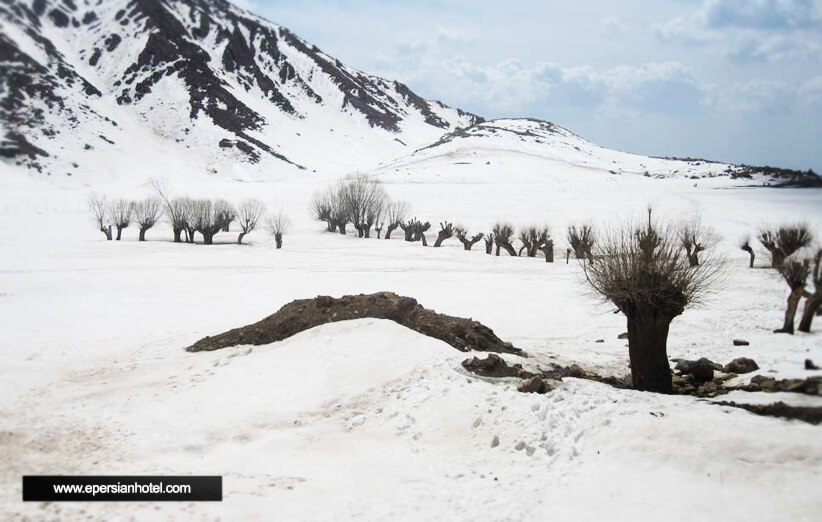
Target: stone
<point x="809" y="365"/>
<point x="623" y="335"/>
<point x="741" y="365"/>
<point x="741" y="342"/>
<point x="534" y="385"/>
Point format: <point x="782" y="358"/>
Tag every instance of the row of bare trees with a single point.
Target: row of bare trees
<point x="362" y="202"/>
<point x="185" y="215"/>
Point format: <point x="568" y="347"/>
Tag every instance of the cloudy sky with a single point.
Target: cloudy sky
<point x="731" y="80"/>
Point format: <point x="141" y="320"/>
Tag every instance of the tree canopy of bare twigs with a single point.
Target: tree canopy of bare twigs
<point x="784" y="241"/>
<point x="146" y="213"/>
<point x="581" y="238"/>
<point x="537" y="239"/>
<point x="278" y="225"/>
<point x="504" y="238"/>
<point x="249" y="213"/>
<point x="120" y="212"/>
<point x="642" y="270"/>
<point x="396" y="212"/>
<point x="462" y="235"/>
<point x="98" y="207"/>
<point x="696" y="238"/>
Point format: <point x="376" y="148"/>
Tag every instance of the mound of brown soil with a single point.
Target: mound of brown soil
<point x="462" y="334"/>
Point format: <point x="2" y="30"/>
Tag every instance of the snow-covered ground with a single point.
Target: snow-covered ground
<point x="368" y="420"/>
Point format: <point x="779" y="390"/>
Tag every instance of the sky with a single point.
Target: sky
<point x="729" y="80"/>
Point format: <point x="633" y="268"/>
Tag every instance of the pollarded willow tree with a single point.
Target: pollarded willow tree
<point x="278" y="225"/>
<point x="783" y="241"/>
<point x="795" y="273"/>
<point x="813" y="302"/>
<point x="249" y="213"/>
<point x="696" y="238"/>
<point x="146" y="213"/>
<point x="642" y="270"/>
<point x="98" y="207"/>
<point x="581" y="239"/>
<point x="119" y="214"/>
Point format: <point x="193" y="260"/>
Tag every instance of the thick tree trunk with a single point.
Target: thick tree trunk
<point x="790" y="312"/>
<point x="208" y="237"/>
<point x="548" y="250"/>
<point x="424" y="242"/>
<point x="648" y="350"/>
<point x="142" y="236"/>
<point x="341" y="227"/>
<point x="489" y="246"/>
<point x="497" y="251"/>
<point x="567" y="255"/>
<point x="240" y="238"/>
<point x="811" y="308"/>
<point x="331" y="225"/>
<point x="278" y="238"/>
<point x="367" y="231"/>
<point x="777" y="259"/>
<point x="510" y="249"/>
<point x="379" y="232"/>
<point x="119" y="232"/>
<point x="190" y="235"/>
<point x="107" y="232"/>
<point x="388" y="231"/>
<point x="178" y="232"/>
<point x="693" y="259"/>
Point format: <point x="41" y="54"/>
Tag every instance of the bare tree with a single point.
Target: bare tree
<point x="462" y="235"/>
<point x="396" y="212"/>
<point x="249" y="213"/>
<point x="814" y="300"/>
<point x="696" y="238"/>
<point x="581" y="238"/>
<point x="446" y="232"/>
<point x="503" y="238"/>
<point x="205" y="219"/>
<point x="321" y="208"/>
<point x="643" y="272"/>
<point x="745" y="244"/>
<point x="119" y="212"/>
<point x="489" y="243"/>
<point x="174" y="209"/>
<point x="224" y="214"/>
<point x="363" y="198"/>
<point x="783" y="241"/>
<point x="147" y="212"/>
<point x="188" y="207"/>
<point x="535" y="239"/>
<point x="415" y="230"/>
<point x="279" y="225"/>
<point x="99" y="212"/>
<point x="795" y="273"/>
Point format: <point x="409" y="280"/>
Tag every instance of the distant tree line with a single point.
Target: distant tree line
<point x="186" y="217"/>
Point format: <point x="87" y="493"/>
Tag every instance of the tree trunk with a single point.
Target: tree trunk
<point x="811" y="308"/>
<point x="278" y="238"/>
<point x="693" y="259"/>
<point x="379" y="232"/>
<point x="424" y="242"/>
<point x="489" y="246"/>
<point x="208" y="237"/>
<point x="567" y="255"/>
<point x="510" y="249"/>
<point x="119" y="232"/>
<point x="647" y="347"/>
<point x="142" y="236"/>
<point x="367" y="231"/>
<point x="190" y="235"/>
<point x="107" y="232"/>
<point x="240" y="238"/>
<point x="341" y="227"/>
<point x="790" y="312"/>
<point x="548" y="250"/>
<point x="777" y="259"/>
<point x="178" y="232"/>
<point x="750" y="251"/>
<point x="388" y="231"/>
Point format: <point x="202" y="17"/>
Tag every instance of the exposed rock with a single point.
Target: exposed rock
<point x="623" y="335"/>
<point x="809" y="386"/>
<point x="702" y="370"/>
<point x="297" y="316"/>
<point x="741" y="365"/>
<point x="741" y="342"/>
<point x="812" y="415"/>
<point x="534" y="385"/>
<point x="495" y="441"/>
<point x="494" y="366"/>
<point x="809" y="365"/>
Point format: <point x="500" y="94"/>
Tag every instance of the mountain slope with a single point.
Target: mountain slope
<point x="224" y="84"/>
<point x="545" y="147"/>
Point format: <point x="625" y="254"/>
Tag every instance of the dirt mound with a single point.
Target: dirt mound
<point x="297" y="316"/>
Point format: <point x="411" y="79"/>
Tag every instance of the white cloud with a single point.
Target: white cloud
<point x="752" y="30"/>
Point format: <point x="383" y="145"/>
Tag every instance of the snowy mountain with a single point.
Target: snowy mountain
<point x="82" y="79"/>
<point x="136" y="88"/>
